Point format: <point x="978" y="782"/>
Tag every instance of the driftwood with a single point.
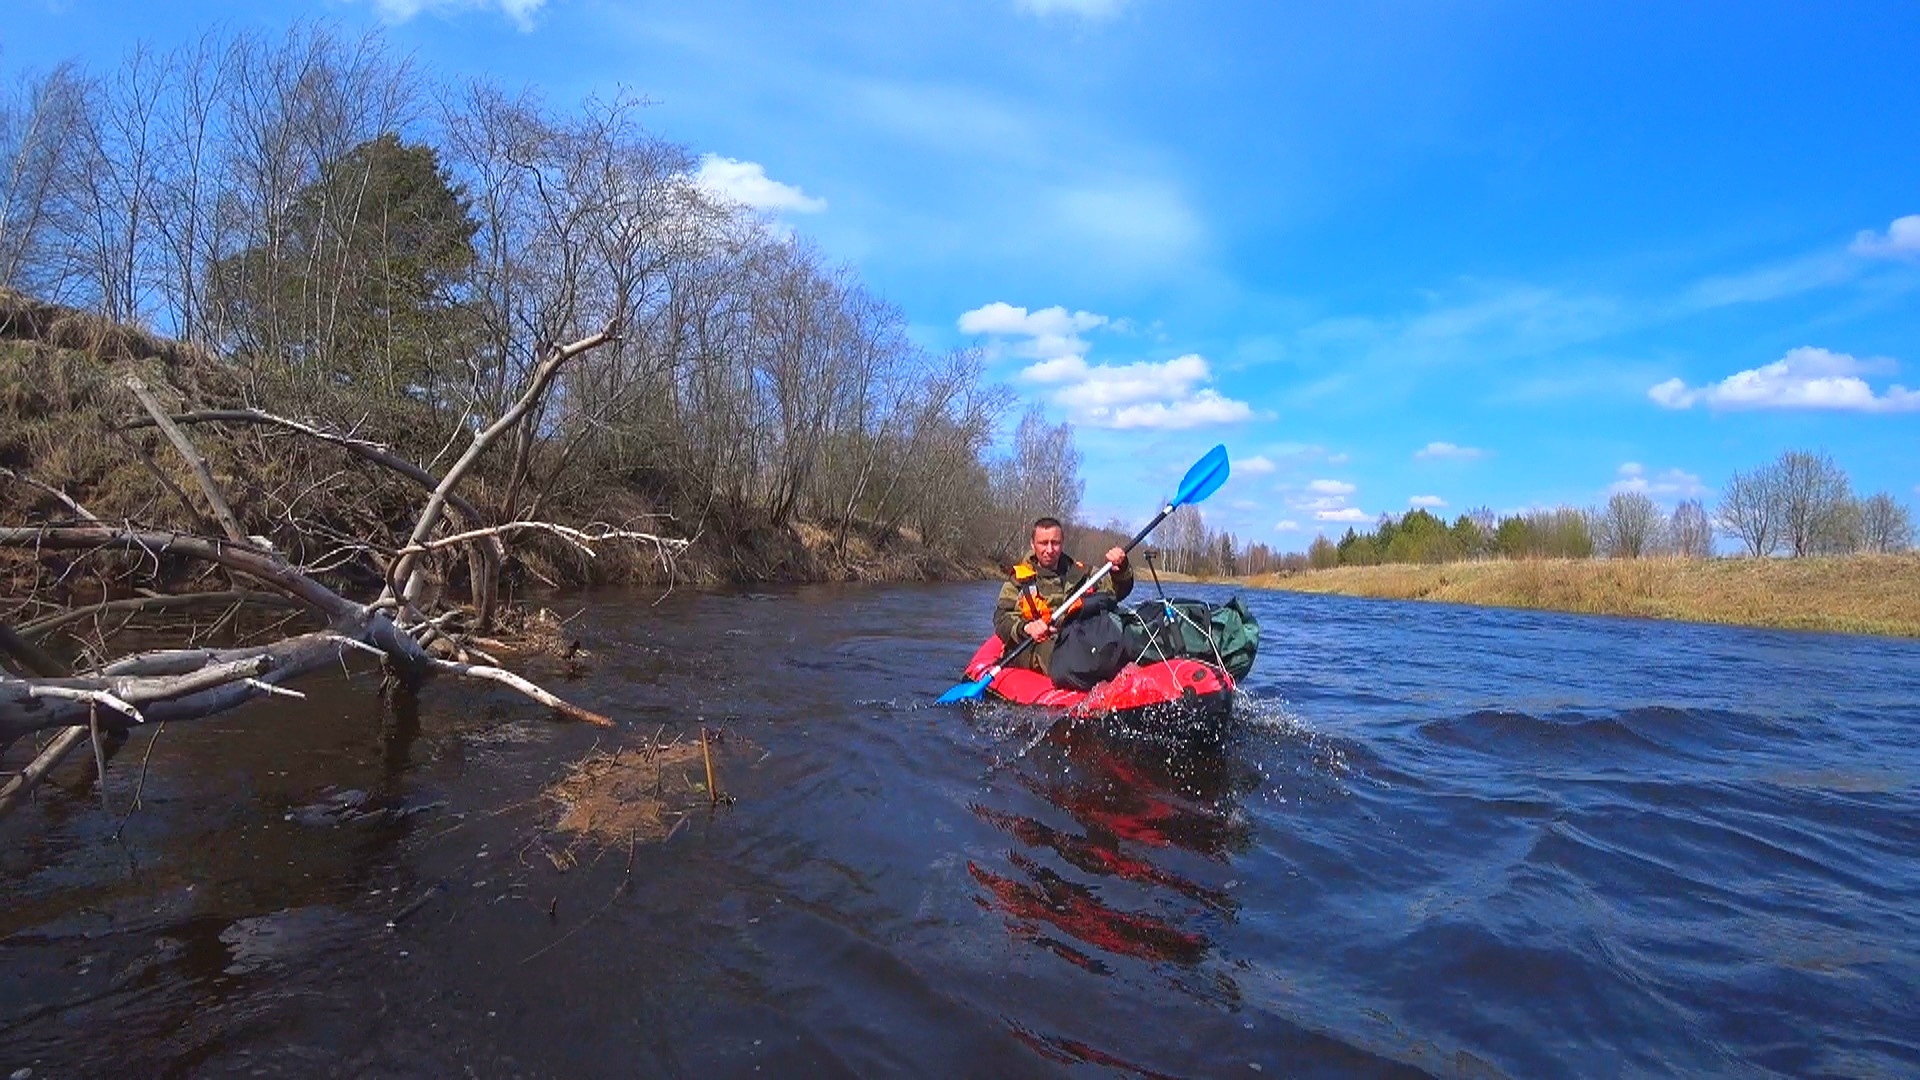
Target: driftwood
<point x="178" y="684"/>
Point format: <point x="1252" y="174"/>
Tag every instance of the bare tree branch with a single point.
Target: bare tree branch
<point x="42" y="764"/>
<point x="243" y="557"/>
<point x="489" y="556"/>
<point x="404" y="579"/>
<point x="29" y="655"/>
<point x="41" y="627"/>
<point x="204" y="476"/>
<point x="581" y="539"/>
<point x="80" y="511"/>
<point x="508" y="678"/>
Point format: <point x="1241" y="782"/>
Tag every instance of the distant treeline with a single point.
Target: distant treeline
<point x="391" y="254"/>
<point x="1801" y="504"/>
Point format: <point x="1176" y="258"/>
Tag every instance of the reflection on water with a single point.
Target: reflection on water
<point x="1436" y="841"/>
<point x="1121" y="800"/>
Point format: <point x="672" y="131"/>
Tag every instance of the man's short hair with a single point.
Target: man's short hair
<point x="1047" y="523"/>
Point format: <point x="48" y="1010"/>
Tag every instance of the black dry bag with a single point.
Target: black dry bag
<point x="1092" y="647"/>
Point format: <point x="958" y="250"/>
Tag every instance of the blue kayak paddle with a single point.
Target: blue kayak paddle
<point x="1202" y="480"/>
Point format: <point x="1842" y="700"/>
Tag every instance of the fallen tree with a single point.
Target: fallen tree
<point x="412" y="629"/>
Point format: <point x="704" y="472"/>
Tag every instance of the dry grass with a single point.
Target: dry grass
<point x="630" y="795"/>
<point x="1859" y="594"/>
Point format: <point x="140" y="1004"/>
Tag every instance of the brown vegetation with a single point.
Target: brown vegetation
<point x="1862" y="594"/>
<point x="631" y="795"/>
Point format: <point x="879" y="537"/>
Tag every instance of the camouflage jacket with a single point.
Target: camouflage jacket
<point x="1054" y="584"/>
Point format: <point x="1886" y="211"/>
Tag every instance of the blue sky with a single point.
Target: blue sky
<point x="1456" y="255"/>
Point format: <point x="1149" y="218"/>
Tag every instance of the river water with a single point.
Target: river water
<point x="1441" y="840"/>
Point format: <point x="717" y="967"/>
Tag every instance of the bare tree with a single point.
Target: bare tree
<point x="42" y="128"/>
<point x="291" y="110"/>
<point x="110" y="188"/>
<point x="1630" y="526"/>
<point x="947" y="483"/>
<point x="1564" y="532"/>
<point x="185" y="182"/>
<point x="1183" y="539"/>
<point x="1812" y="493"/>
<point x="1842" y="530"/>
<point x="1042" y="477"/>
<point x="1690" y="531"/>
<point x="1885" y="525"/>
<point x="1750" y="510"/>
<point x="1322" y="554"/>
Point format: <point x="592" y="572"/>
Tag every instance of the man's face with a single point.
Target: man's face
<point x="1046" y="546"/>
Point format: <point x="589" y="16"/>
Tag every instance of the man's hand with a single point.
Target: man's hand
<point x="1118" y="557"/>
<point x="1039" y="629"/>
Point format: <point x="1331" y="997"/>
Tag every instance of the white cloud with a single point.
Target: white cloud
<point x="1169" y="395"/>
<point x="1446" y="451"/>
<point x="1205" y="407"/>
<point x="1257" y="465"/>
<point x="520" y="11"/>
<point x="1805" y="378"/>
<point x="1003" y="318"/>
<point x="1326" y="500"/>
<point x="1902" y="240"/>
<point x="1429" y="501"/>
<point x="1670" y="483"/>
<point x="1287" y="526"/>
<point x="1166" y="395"/>
<point x="1350" y="514"/>
<point x="1086" y="9"/>
<point x="1051" y="335"/>
<point x="1107" y="386"/>
<point x="747" y="183"/>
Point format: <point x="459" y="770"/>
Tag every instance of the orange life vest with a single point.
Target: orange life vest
<point x="1032" y="604"/>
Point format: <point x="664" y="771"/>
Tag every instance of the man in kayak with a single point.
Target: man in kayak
<point x="1040" y="583"/>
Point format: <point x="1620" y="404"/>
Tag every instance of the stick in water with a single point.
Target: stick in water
<point x="713" y="787"/>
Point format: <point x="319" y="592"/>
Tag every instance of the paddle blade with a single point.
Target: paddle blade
<point x="1204" y="478"/>
<point x="966" y="691"/>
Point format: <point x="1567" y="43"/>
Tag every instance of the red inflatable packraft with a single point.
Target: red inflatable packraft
<point x="1183" y="683"/>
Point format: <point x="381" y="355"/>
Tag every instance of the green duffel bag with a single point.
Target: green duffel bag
<point x="1224" y="634"/>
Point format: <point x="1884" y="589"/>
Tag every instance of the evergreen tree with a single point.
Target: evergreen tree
<point x="364" y="289"/>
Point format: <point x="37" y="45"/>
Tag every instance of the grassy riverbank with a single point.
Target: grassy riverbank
<point x="1860" y="594"/>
